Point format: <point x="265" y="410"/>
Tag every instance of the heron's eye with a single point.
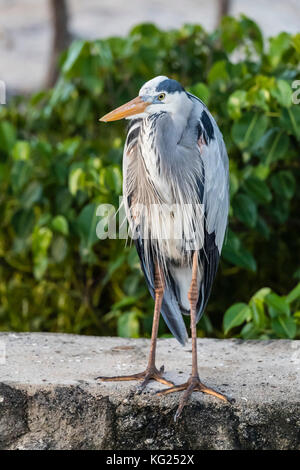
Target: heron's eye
<point x="161" y="96"/>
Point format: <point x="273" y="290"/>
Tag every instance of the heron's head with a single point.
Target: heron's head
<point x="159" y="94"/>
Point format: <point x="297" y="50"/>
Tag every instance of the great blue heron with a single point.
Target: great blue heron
<point x="174" y="156"/>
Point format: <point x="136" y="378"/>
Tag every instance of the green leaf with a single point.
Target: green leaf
<point x="94" y="85"/>
<point x="86" y="225"/>
<point x="280" y="209"/>
<point x="126" y="302"/>
<point x="294" y="294"/>
<point x="70" y="145"/>
<point x="111" y="179"/>
<point x="236" y="102"/>
<point x="112" y="267"/>
<point x="76" y="178"/>
<point x="290" y="120"/>
<point x="73" y="55"/>
<point x="247" y="132"/>
<point x="296" y="274"/>
<point x="201" y="91"/>
<point x="103" y="50"/>
<point x="231" y="33"/>
<point x="144" y="30"/>
<point x="278" y="46"/>
<point x="7" y="136"/>
<point x="128" y="325"/>
<point x="235" y="316"/>
<point x="59" y="249"/>
<point x="218" y="73"/>
<point x="296" y="42"/>
<point x="82" y="111"/>
<point x="262" y="293"/>
<point x="234" y="183"/>
<point x="234" y="252"/>
<point x="60" y="224"/>
<point x="258" y="190"/>
<point x="249" y="331"/>
<point x="273" y="145"/>
<point x="252" y="31"/>
<point x="258" y="312"/>
<point x="282" y="93"/>
<point x="206" y="325"/>
<point x="245" y="209"/>
<point x="32" y="194"/>
<point x="285" y="327"/>
<point x="262" y="227"/>
<point x="23" y="222"/>
<point x="61" y="93"/>
<point x="41" y="239"/>
<point x="21" y="150"/>
<point x="261" y="171"/>
<point x="20" y="174"/>
<point x="133" y="259"/>
<point x="277" y="303"/>
<point x="284" y="184"/>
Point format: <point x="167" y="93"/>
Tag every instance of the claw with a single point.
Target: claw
<point x="183" y="401"/>
<point x="142" y="386"/>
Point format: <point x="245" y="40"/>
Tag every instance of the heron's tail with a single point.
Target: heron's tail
<point x="170" y="309"/>
<point x="172" y="315"/>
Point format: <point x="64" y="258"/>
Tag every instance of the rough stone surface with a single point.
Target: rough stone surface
<point x="49" y="398"/>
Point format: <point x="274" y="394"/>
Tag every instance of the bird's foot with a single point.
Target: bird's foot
<point x="192" y="385"/>
<point x="151" y="373"/>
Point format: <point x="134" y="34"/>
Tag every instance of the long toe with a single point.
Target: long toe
<point x="175" y="388"/>
<point x="120" y="378"/>
<point x="146" y="376"/>
<point x="210" y="391"/>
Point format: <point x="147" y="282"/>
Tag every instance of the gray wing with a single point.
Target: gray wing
<point x="215" y="190"/>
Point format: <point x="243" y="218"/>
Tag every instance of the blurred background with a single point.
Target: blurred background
<point x="27" y="27"/>
<point x="65" y="64"/>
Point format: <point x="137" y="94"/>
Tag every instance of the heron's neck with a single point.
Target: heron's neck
<point x="178" y="122"/>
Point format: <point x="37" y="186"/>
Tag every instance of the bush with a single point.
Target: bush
<point x="267" y="315"/>
<point x="57" y="163"/>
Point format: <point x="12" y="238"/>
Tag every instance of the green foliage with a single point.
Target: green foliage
<point x="267" y="315"/>
<point x="58" y="163"/>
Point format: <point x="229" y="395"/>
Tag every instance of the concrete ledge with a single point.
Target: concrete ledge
<point x="50" y="400"/>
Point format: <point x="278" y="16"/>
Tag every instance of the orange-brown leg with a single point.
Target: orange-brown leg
<point x="151" y="372"/>
<point x="193" y="383"/>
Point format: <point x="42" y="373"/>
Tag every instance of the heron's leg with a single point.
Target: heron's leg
<point x="151" y="372"/>
<point x="193" y="383"/>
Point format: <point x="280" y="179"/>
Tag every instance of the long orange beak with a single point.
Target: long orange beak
<point x="135" y="106"/>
